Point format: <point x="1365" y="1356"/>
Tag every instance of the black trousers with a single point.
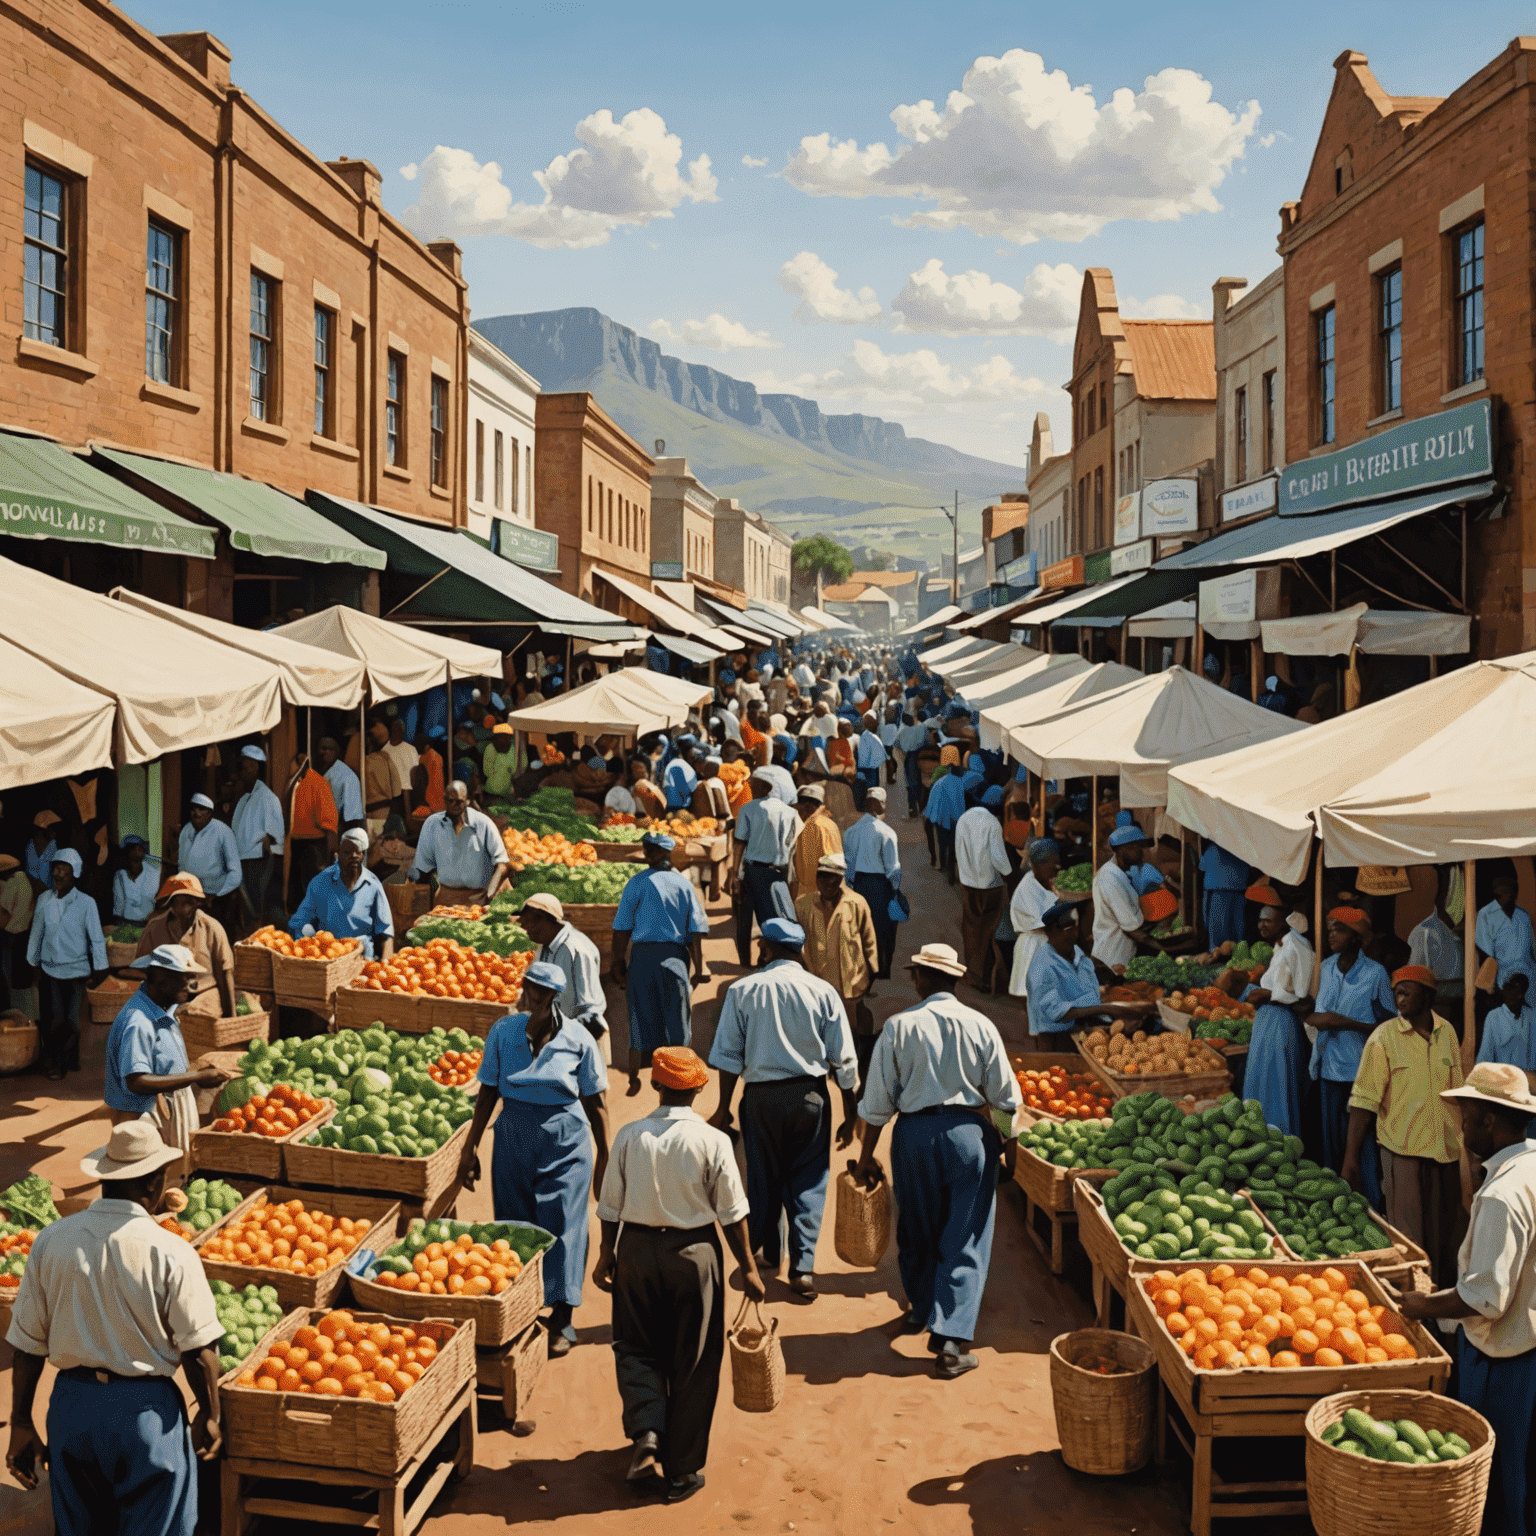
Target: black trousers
<point x="763" y="894"/>
<point x="669" y="1338"/>
<point x="58" y="1020"/>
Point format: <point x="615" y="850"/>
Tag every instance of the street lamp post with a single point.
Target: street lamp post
<point x="954" y="523"/>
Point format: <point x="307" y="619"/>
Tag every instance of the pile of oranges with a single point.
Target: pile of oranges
<point x="341" y="1357"/>
<point x="462" y="1268"/>
<point x="1203" y="1003"/>
<point x="525" y="848"/>
<point x="278" y="1112"/>
<point x="444" y="968"/>
<point x="683" y="826"/>
<point x="1225" y="1320"/>
<point x="619" y="819"/>
<point x="174" y="1227"/>
<point x="288" y="1237"/>
<point x="1067" y="1095"/>
<point x="14" y="1243"/>
<point x="455" y="1069"/>
<point x="323" y="946"/>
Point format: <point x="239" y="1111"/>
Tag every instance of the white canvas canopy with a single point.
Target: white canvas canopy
<point x="1142" y="729"/>
<point x="975" y="669"/>
<point x="174" y="688"/>
<point x="1437" y="774"/>
<point x="1013" y="682"/>
<point x="944" y="658"/>
<point x="945" y="615"/>
<point x="1377" y="631"/>
<point x="50" y="727"/>
<point x="1050" y="692"/>
<point x="399" y="658"/>
<point x="317" y="678"/>
<point x="628" y="703"/>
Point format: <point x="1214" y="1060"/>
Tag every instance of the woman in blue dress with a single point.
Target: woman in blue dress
<point x="1277" y="1050"/>
<point x="551" y="1143"/>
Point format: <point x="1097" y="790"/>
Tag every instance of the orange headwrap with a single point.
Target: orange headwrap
<point x="949" y="757"/>
<point x="675" y="1066"/>
<point x="181" y="885"/>
<point x="1419" y="973"/>
<point x="1352" y="917"/>
<point x="1267" y="895"/>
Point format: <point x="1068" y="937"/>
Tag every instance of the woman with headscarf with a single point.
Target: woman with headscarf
<point x="1032" y="899"/>
<point x="1276" y="1070"/>
<point x="944" y="806"/>
<point x="1353" y="997"/>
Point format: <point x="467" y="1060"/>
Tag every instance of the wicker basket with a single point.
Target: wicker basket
<point x="1104" y="1422"/>
<point x="107" y="1000"/>
<point x="407" y="900"/>
<point x="120" y="955"/>
<point x="862" y="1230"/>
<point x="1348" y="1495"/>
<point x="253" y="967"/>
<point x="312" y="983"/>
<point x="757" y="1361"/>
<point x="497" y="1319"/>
<point x="203" y="1034"/>
<point x="422" y="1178"/>
<point x="18" y="1045"/>
<point x="243" y="1152"/>
<point x="470" y="1015"/>
<point x="1171" y="1085"/>
<point x="595" y="919"/>
<point x="346" y="1432"/>
<point x="360" y="1007"/>
<point x="306" y="1290"/>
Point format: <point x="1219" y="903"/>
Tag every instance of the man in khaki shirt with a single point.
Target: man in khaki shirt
<point x="819" y="836"/>
<point x="840" y="948"/>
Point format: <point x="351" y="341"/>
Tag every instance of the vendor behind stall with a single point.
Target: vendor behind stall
<point x="463" y="847"/>
<point x="1118" y="922"/>
<point x="135" y="884"/>
<point x="348" y="901"/>
<point x="1063" y="986"/>
<point x="182" y="917"/>
<point x="207" y="848"/>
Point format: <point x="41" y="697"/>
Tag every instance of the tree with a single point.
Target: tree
<point x="823" y="557"/>
<point x="878" y="560"/>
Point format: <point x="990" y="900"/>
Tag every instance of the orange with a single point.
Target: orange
<point x="312" y="1371"/>
<point x="402" y="1383"/>
<point x="1226" y="1351"/>
<point x="1297" y="1296"/>
<point x="307" y="1338"/>
<point x="290" y="1381"/>
<point x="1374" y="1355"/>
<point x="1350" y="1344"/>
<point x="346" y="1365"/>
<point x="1304" y="1317"/>
<point x="1267" y="1328"/>
<point x="1230" y="1314"/>
<point x="266" y="1384"/>
<point x="1357" y="1300"/>
<point x="1370" y="1333"/>
<point x="271" y="1367"/>
<point x="1286" y="1360"/>
<point x="353" y="1385"/>
<point x="1397" y="1346"/>
<point x="328" y="1386"/>
<point x="1336" y="1280"/>
<point x="1329" y="1357"/>
<point x="1193" y="1312"/>
<point x="1324" y="1329"/>
<point x="1177" y="1322"/>
<point x="1229" y="1333"/>
<point x="1304" y="1341"/>
<point x="1256" y="1354"/>
<point x="1205" y="1358"/>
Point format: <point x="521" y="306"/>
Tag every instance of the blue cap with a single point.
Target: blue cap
<point x="993" y="796"/>
<point x="1125" y="819"/>
<point x="1059" y="916"/>
<point x="133" y="840"/>
<point x="542" y="974"/>
<point x="437" y="733"/>
<point x="1022" y="776"/>
<point x="1124" y="837"/>
<point x="658" y="840"/>
<point x="687" y="739"/>
<point x="1044" y="848"/>
<point x="779" y="930"/>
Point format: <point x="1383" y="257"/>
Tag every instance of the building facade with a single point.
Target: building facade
<point x="499" y="458"/>
<point x="780" y="544"/>
<point x="741" y="549"/>
<point x="1050" y="497"/>
<point x="682" y="521"/>
<point x="1005" y="540"/>
<point x="1248" y="331"/>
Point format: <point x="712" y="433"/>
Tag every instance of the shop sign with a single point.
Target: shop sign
<point x="1416" y="456"/>
<point x="1245" y="500"/>
<point x="1019" y="573"/>
<point x="1065" y="573"/>
<point x="1244" y="597"/>
<point x="531" y="548"/>
<point x="1096" y="566"/>
<point x="1128" y="518"/>
<point x="1134" y="557"/>
<point x="1170" y="506"/>
<point x="666" y="570"/>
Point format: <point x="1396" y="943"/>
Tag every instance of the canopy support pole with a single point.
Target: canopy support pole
<point x="1360" y="576"/>
<point x="1256" y="667"/>
<point x="1093" y="811"/>
<point x="448" y="689"/>
<point x="1469" y="968"/>
<point x="419" y="590"/>
<point x="1300" y="570"/>
<point x="1420" y="571"/>
<point x="1042" y="805"/>
<point x="1463" y="558"/>
<point x="1318" y="936"/>
<point x="1333" y="581"/>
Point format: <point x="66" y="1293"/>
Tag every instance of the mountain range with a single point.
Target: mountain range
<point x="781" y="455"/>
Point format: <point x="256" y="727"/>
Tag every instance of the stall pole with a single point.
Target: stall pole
<point x="1199" y="667"/>
<point x="1318" y="936"/>
<point x="1256" y="667"/>
<point x="448" y="689"/>
<point x="1042" y="805"/>
<point x="1093" y="811"/>
<point x="1469" y="968"/>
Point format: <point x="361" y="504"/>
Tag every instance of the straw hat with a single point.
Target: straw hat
<point x="133" y="1149"/>
<point x="1498" y="1083"/>
<point x="938" y="957"/>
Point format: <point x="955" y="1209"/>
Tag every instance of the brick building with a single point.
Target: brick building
<point x="181" y="278"/>
<point x="1249" y="335"/>
<point x="683" y="519"/>
<point x="1408" y="261"/>
<point x="742" y="549"/>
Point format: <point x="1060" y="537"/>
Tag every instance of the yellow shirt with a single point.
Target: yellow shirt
<point x="817" y="838"/>
<point x="840" y="945"/>
<point x="1400" y="1079"/>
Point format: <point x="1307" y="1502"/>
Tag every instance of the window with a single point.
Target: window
<point x="512" y="488"/>
<point x="162" y="304"/>
<point x="394" y="410"/>
<point x="1270" y="406"/>
<point x="1104" y="406"/>
<point x="45" y="269"/>
<point x="439" y="431"/>
<point x="1240" y="412"/>
<point x="1098" y="509"/>
<point x="479" y="461"/>
<point x="1322" y="361"/>
<point x="1469" y="304"/>
<point x="1389" y="337"/>
<point x="496" y="464"/>
<point x="325" y="331"/>
<point x="263" y="329"/>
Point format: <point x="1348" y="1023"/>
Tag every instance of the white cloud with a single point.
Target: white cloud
<point x="808" y="278"/>
<point x="972" y="303"/>
<point x="715" y="332"/>
<point x="1022" y="154"/>
<point x="627" y="172"/>
<point x="920" y="378"/>
<point x="1162" y="306"/>
<point x="752" y="164"/>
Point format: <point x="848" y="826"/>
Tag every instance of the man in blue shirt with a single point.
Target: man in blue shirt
<point x="764" y="849"/>
<point x="869" y="758"/>
<point x="346" y="791"/>
<point x="1504" y="931"/>
<point x="1223" y="906"/>
<point x="679" y="781"/>
<point x="67" y="945"/>
<point x="913" y="736"/>
<point x="781" y="1031"/>
<point x="463" y="848"/>
<point x="874" y="871"/>
<point x="347" y="900"/>
<point x="207" y="848"/>
<point x="658" y="929"/>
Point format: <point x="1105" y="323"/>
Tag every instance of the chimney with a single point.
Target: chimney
<point x="204" y="52"/>
<point x="360" y="175"/>
<point x="661" y="446"/>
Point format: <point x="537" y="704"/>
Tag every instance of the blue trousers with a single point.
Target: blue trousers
<point x="913" y="772"/>
<point x="541" y="1172"/>
<point x="1336" y="1138"/>
<point x="764" y="895"/>
<point x="660" y="997"/>
<point x="120" y="1458"/>
<point x="787" y="1131"/>
<point x="944" y="1178"/>
<point x="877" y="890"/>
<point x="1504" y="1392"/>
<point x="1277" y="1067"/>
<point x="58" y="1022"/>
<point x="864" y="780"/>
<point x="1225" y="914"/>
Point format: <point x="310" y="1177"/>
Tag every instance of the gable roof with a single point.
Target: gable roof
<point x="1173" y="359"/>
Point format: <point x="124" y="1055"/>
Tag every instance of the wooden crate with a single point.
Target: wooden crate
<point x="308" y="1290"/>
<point x="243" y="1152"/>
<point x="473" y="1016"/>
<point x="347" y="1432"/>
<point x="618" y="853"/>
<point x="203" y="1034"/>
<point x="1403" y="1257"/>
<point x="422" y="1178"/>
<point x="360" y="1007"/>
<point x="312" y="984"/>
<point x="514" y="1370"/>
<point x="1172" y="1085"/>
<point x="497" y="1319"/>
<point x="1047" y="1193"/>
<point x="253" y="967"/>
<point x="1110" y="1257"/>
<point x="1041" y="1061"/>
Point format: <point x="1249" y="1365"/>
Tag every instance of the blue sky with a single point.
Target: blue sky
<point x="1177" y="185"/>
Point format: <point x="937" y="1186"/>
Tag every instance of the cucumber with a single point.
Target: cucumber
<point x="1400" y="1450"/>
<point x="1409" y="1431"/>
<point x="1452" y="1438"/>
<point x="1350" y="1447"/>
<point x="1377" y="1436"/>
<point x="1333" y="1434"/>
<point x="1436" y="1439"/>
<point x="1449" y="1452"/>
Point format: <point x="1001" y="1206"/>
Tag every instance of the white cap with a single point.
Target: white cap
<point x="202" y="800"/>
<point x="254" y="753"/>
<point x="170" y="957"/>
<point x="355" y="837"/>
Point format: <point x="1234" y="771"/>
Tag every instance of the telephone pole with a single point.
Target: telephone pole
<point x="954" y="522"/>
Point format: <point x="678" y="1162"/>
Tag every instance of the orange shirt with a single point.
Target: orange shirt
<point x="314" y="807"/>
<point x="751" y="738"/>
<point x="433" y="794"/>
<point x="839" y="753"/>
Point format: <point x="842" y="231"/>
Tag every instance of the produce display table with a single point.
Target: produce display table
<point x="1047" y="1186"/>
<point x="1172" y="1085"/>
<point x="424" y="1179"/>
<point x="512" y="1371"/>
<point x="253" y="1487"/>
<point x="360" y="1007"/>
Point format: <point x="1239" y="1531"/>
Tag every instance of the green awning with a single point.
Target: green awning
<point x="1152" y="589"/>
<point x="259" y="519"/>
<point x="47" y="492"/>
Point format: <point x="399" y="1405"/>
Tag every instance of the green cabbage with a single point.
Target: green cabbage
<point x="368" y="1080"/>
<point x="238" y="1092"/>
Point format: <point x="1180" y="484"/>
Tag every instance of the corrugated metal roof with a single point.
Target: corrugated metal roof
<point x="1173" y="359"/>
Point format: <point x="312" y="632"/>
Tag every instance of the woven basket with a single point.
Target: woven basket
<point x="346" y="1432"/>
<point x="862" y="1230"/>
<point x="243" y="1152"/>
<point x="1359" y="1496"/>
<point x="1104" y="1423"/>
<point x="253" y="967"/>
<point x="513" y="1370"/>
<point x="422" y="1178"/>
<point x="497" y="1319"/>
<point x="107" y="1000"/>
<point x="120" y="955"/>
<point x="203" y="1034"/>
<point x="18" y="1045"/>
<point x="312" y="983"/>
<point x="757" y="1361"/>
<point x="407" y="901"/>
<point x="595" y="919"/>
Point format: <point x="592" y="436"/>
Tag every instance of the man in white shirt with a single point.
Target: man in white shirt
<point x="1117" y="919"/>
<point x="670" y="1179"/>
<point x="763" y="847"/>
<point x="981" y="863"/>
<point x="583" y="1000"/>
<point x="116" y="1304"/>
<point x="823" y="723"/>
<point x="207" y="848"/>
<point x="781" y="1031"/>
<point x="1033" y="897"/>
<point x="874" y="870"/>
<point x="941" y="1071"/>
<point x="258" y="827"/>
<point x="1495" y="1293"/>
<point x="400" y="752"/>
<point x="803" y="676"/>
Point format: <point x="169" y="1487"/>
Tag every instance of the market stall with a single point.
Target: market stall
<point x="1048" y="692"/>
<point x="50" y="726"/>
